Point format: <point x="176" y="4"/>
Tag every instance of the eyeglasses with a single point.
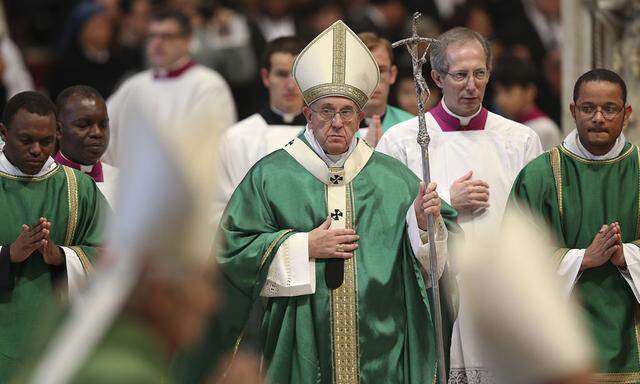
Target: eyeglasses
<point x="327" y="114"/>
<point x="478" y="74"/>
<point x="609" y="111"/>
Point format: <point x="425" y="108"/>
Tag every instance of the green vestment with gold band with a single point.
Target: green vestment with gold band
<point x="377" y="327"/>
<point x="576" y="197"/>
<point x="71" y="201"/>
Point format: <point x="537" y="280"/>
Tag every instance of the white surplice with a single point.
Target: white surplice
<point x="198" y="93"/>
<point x="495" y="154"/>
<point x="241" y="146"/>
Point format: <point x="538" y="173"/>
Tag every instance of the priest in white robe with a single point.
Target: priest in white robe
<point x="475" y="157"/>
<point x="249" y="140"/>
<point x="176" y="88"/>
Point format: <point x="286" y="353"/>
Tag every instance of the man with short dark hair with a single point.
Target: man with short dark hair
<point x="515" y="93"/>
<point x="379" y="115"/>
<point x="83" y="136"/>
<point x="247" y="141"/>
<point x="51" y="223"/>
<point x="587" y="190"/>
<point x="175" y="89"/>
<point x="475" y="156"/>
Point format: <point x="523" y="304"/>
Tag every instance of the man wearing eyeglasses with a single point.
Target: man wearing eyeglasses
<point x="475" y="156"/>
<point x="328" y="232"/>
<point x="174" y="90"/>
<point x="587" y="191"/>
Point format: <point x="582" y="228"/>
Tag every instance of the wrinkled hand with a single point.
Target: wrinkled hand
<point x="323" y="242"/>
<point x="604" y="245"/>
<point x="468" y="195"/>
<point x="29" y="240"/>
<point x="618" y="256"/>
<point x="427" y="202"/>
<point x="51" y="253"/>
<point x="374" y="132"/>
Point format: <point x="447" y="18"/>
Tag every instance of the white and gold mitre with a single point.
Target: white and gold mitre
<point x="336" y="63"/>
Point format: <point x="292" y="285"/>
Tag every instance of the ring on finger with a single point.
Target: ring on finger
<point x="339" y="247"/>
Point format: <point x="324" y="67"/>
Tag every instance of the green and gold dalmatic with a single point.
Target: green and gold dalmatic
<point x="75" y="207"/>
<point x="577" y="196"/>
<point x="374" y="328"/>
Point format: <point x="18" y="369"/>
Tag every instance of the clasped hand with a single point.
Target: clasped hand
<point x="606" y="246"/>
<point x="36" y="238"/>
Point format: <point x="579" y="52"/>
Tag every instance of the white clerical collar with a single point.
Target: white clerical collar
<point x="10" y="169"/>
<point x="464" y="120"/>
<point x="287" y="117"/>
<point x="573" y="144"/>
<point x="332" y="161"/>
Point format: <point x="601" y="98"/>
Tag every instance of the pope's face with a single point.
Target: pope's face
<point x="333" y="121"/>
<point x="463" y="97"/>
<point x="600" y="115"/>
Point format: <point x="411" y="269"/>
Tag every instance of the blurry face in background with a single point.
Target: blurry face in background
<point x="166" y="43"/>
<point x="480" y="21"/>
<point x="275" y="9"/>
<point x="388" y="73"/>
<point x="284" y="94"/>
<point x="97" y="32"/>
<point x="406" y="96"/>
<point x="514" y="100"/>
<point x="463" y="98"/>
<point x="136" y="22"/>
<point x="323" y="19"/>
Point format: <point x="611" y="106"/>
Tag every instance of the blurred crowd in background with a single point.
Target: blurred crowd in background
<point x="101" y="42"/>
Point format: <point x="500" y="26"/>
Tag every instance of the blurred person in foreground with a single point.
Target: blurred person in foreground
<point x="515" y="93"/>
<point x="249" y="140"/>
<point x="331" y="239"/>
<point x="176" y="87"/>
<point x="51" y="227"/>
<point x="532" y="335"/>
<point x="379" y="115"/>
<point x="476" y="155"/>
<point x="587" y="191"/>
<point x="154" y="291"/>
<point x="83" y="136"/>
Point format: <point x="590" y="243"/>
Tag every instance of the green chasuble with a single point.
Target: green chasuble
<point x="375" y="328"/>
<point x="129" y="353"/>
<point x="576" y="197"/>
<point x="393" y="116"/>
<point x="71" y="201"/>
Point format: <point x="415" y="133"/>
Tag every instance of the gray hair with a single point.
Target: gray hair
<point x="458" y="35"/>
